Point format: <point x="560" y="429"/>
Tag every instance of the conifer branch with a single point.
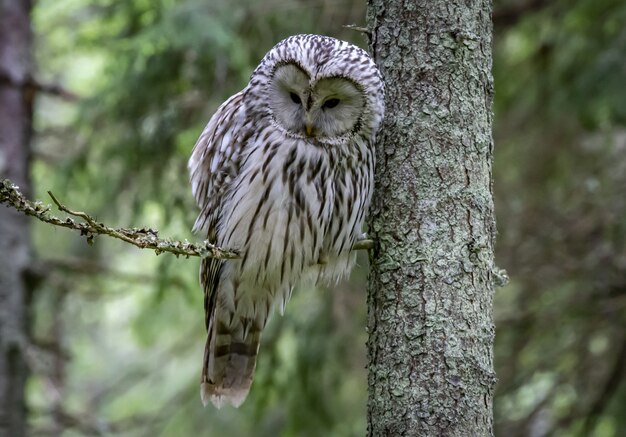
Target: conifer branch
<point x="144" y="238"/>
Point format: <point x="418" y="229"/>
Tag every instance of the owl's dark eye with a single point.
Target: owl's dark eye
<point x="330" y="103"/>
<point x="295" y="98"/>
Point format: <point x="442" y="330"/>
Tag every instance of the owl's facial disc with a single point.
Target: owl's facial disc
<point x="336" y="106"/>
<point x="327" y="108"/>
<point x="288" y="89"/>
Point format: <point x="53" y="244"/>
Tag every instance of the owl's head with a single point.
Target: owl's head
<point x="321" y="87"/>
<point x="327" y="107"/>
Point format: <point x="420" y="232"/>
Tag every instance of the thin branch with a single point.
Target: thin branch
<point x="144" y="238"/>
<point x="363" y="30"/>
<point x="29" y="83"/>
<point x="52" y="89"/>
<point x="46" y="268"/>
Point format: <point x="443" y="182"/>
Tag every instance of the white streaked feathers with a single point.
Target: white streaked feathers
<point x="282" y="173"/>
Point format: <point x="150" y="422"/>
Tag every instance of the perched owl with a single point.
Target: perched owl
<point x="283" y="174"/>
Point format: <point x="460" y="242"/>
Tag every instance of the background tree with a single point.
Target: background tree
<point x="16" y="99"/>
<point x="430" y="290"/>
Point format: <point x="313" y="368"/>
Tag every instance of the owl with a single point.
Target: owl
<point x="283" y="174"/>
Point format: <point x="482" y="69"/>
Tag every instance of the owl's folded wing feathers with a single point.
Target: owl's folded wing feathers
<point x="215" y="161"/>
<point x="213" y="165"/>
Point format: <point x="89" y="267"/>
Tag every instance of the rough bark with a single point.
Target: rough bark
<point x="15" y="131"/>
<point x="430" y="294"/>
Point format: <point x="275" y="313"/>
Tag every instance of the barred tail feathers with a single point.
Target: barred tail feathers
<point x="230" y="358"/>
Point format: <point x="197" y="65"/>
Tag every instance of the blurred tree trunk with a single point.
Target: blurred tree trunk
<point x="15" y="132"/>
<point x="430" y="294"/>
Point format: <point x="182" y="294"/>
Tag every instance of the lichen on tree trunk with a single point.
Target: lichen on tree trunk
<point x="15" y="131"/>
<point x="431" y="282"/>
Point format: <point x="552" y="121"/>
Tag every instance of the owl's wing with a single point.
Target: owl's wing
<point x="213" y="165"/>
<point x="214" y="161"/>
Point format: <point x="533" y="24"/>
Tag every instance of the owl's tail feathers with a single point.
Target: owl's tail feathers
<point x="229" y="363"/>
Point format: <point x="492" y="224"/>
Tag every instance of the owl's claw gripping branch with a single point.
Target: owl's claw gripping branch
<point x="144" y="238"/>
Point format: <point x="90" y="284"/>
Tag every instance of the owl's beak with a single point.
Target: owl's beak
<point x="309" y="124"/>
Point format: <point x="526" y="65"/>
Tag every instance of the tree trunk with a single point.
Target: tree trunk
<point x="430" y="294"/>
<point x="15" y="132"/>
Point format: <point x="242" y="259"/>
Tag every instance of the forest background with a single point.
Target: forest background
<point x="117" y="333"/>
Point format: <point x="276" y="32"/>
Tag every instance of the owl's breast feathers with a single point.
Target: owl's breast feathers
<point x="290" y="207"/>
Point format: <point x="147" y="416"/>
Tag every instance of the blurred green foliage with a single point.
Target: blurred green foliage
<point x="117" y="333"/>
<point x="560" y="180"/>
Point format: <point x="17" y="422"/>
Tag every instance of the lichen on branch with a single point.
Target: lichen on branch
<point x="144" y="238"/>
